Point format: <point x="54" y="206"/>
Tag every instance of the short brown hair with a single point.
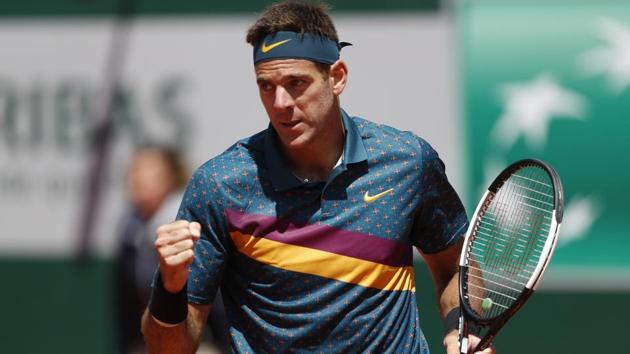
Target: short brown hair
<point x="294" y="16"/>
<point x="173" y="158"/>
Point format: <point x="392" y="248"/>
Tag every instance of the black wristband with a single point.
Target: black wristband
<point x="451" y="321"/>
<point x="167" y="307"/>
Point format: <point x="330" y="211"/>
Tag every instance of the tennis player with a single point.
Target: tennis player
<point x="308" y="227"/>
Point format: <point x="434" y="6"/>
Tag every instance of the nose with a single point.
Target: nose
<point x="283" y="99"/>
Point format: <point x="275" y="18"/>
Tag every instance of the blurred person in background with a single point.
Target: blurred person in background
<point x="156" y="177"/>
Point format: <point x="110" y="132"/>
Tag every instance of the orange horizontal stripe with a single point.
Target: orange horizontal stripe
<point x="324" y="264"/>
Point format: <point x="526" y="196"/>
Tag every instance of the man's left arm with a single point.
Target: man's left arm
<point x="444" y="267"/>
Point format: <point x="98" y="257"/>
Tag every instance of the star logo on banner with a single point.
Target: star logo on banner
<point x="529" y="108"/>
<point x="611" y="59"/>
<point x="579" y="215"/>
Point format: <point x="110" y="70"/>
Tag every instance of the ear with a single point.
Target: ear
<point x="339" y="76"/>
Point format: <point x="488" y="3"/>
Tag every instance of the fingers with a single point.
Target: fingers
<point x="474" y="341"/>
<point x="177" y="231"/>
<point x="489" y="350"/>
<point x="180" y="259"/>
<point x="172" y="226"/>
<point x="175" y="243"/>
<point x="451" y="343"/>
<point x="175" y="236"/>
<point x="168" y="250"/>
<point x="452" y="349"/>
<point x="195" y="229"/>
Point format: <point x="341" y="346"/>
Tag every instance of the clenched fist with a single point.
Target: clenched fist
<point x="175" y="247"/>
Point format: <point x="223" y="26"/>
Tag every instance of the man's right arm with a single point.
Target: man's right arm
<point x="181" y="338"/>
<point x="166" y="326"/>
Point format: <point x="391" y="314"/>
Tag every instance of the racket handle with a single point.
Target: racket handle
<point x="463" y="335"/>
<point x="463" y="345"/>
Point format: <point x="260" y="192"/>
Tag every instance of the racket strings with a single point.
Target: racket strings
<point x="484" y="235"/>
<point x="517" y="286"/>
<point x="508" y="239"/>
<point x="511" y="260"/>
<point x="520" y="237"/>
<point x="517" y="213"/>
<point x="501" y="245"/>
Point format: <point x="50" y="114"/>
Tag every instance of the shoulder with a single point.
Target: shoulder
<point x="242" y="157"/>
<point x="385" y="137"/>
<point x="217" y="184"/>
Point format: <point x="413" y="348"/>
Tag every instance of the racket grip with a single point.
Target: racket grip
<point x="463" y="345"/>
<point x="463" y="335"/>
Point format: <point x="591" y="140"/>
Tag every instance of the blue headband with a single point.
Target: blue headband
<point x="292" y="45"/>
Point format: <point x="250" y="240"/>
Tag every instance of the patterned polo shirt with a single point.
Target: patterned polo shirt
<point x="326" y="266"/>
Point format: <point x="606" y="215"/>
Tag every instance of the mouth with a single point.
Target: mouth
<point x="290" y="124"/>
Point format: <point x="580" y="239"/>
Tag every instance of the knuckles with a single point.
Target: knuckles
<point x="175" y="243"/>
<point x="166" y="228"/>
<point x="183" y="248"/>
<point x="182" y="258"/>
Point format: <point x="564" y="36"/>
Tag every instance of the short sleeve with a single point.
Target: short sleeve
<point x="440" y="218"/>
<point x="200" y="203"/>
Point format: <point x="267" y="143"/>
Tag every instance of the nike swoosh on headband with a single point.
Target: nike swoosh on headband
<point x="265" y="48"/>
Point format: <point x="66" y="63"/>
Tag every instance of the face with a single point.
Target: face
<point x="149" y="181"/>
<point x="299" y="100"/>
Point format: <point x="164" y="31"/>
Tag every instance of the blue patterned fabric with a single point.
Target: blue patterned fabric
<point x="297" y="302"/>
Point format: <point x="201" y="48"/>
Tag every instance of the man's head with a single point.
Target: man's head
<point x="298" y="71"/>
<point x="295" y="16"/>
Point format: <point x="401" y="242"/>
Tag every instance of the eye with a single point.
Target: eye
<point x="265" y="86"/>
<point x="298" y="83"/>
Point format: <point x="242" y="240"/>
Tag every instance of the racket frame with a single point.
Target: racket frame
<point x="496" y="323"/>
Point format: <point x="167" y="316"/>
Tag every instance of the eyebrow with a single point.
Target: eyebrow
<point x="285" y="78"/>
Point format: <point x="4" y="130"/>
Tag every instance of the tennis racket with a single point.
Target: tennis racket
<point x="509" y="243"/>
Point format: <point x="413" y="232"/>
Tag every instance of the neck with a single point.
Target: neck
<point x="316" y="160"/>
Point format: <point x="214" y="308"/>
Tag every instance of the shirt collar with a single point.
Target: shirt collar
<point x="353" y="149"/>
<point x="279" y="171"/>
